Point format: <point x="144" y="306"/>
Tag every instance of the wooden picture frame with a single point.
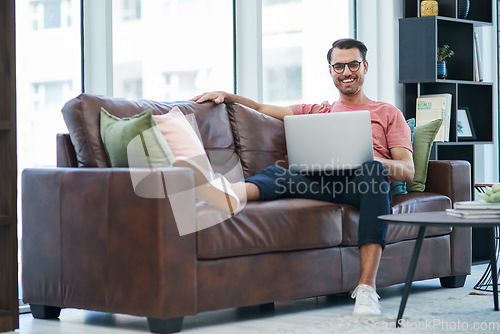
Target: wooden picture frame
<point x="465" y="129"/>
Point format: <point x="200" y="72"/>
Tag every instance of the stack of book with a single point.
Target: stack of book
<point x="475" y="210"/>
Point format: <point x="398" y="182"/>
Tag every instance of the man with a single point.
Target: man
<point x="393" y="160"/>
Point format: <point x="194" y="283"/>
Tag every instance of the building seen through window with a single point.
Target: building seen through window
<point x="51" y="14"/>
<point x="48" y="73"/>
<point x="130" y="9"/>
<point x="296" y="35"/>
<point x="162" y="48"/>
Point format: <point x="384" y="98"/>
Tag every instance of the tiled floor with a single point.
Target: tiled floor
<point x="297" y="316"/>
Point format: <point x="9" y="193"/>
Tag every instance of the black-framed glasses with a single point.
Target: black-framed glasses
<point x="353" y="66"/>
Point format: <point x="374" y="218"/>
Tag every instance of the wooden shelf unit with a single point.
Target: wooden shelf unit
<point x="480" y="10"/>
<point x="419" y="38"/>
<point x="476" y="96"/>
<point x="9" y="300"/>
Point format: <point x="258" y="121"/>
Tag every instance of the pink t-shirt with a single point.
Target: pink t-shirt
<point x="389" y="128"/>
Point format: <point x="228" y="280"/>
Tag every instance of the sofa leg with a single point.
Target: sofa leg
<point x="453" y="281"/>
<point x="44" y="311"/>
<point x="164" y="326"/>
<point x="268" y="307"/>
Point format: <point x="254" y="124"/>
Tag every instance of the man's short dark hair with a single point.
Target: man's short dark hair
<point x="348" y="43"/>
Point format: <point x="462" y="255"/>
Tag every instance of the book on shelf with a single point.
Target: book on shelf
<point x="478" y="62"/>
<point x="475" y="210"/>
<point x="474" y="61"/>
<point x="435" y="106"/>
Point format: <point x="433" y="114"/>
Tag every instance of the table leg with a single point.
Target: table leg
<point x="493" y="265"/>
<point x="411" y="273"/>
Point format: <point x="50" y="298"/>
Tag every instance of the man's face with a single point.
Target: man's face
<point x="348" y="82"/>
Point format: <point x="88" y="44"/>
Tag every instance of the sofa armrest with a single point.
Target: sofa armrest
<point x="451" y="178"/>
<point x="89" y="241"/>
<point x="66" y="156"/>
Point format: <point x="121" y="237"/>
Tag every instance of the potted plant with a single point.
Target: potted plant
<point x="443" y="53"/>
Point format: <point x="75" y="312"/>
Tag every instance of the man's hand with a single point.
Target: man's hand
<point x="218" y="97"/>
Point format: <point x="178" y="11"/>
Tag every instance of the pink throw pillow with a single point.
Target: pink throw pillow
<point x="181" y="137"/>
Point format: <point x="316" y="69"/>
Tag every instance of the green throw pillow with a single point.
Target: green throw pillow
<point x="399" y="187"/>
<point x="422" y="142"/>
<point x="134" y="141"/>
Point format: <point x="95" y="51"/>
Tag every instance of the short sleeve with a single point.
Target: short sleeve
<point x="398" y="131"/>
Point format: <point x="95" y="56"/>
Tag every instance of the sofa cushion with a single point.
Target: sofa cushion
<point x="181" y="136"/>
<point x="260" y="139"/>
<point x="423" y="138"/>
<point x="126" y="141"/>
<point x="273" y="226"/>
<point x="82" y="117"/>
<point x="411" y="202"/>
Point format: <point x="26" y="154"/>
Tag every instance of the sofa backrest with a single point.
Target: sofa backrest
<point x="230" y="133"/>
<point x="260" y="139"/>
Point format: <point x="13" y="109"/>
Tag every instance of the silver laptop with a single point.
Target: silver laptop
<point x="328" y="142"/>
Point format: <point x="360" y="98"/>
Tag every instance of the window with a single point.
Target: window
<point x="170" y="49"/>
<point x="132" y="88"/>
<point x="296" y="35"/>
<point x="48" y="95"/>
<point x="50" y="14"/>
<point x="130" y="10"/>
<point x="181" y="81"/>
<point x="129" y="81"/>
<point x="283" y="73"/>
<point x="48" y="73"/>
<point x="190" y="48"/>
<point x="278" y="2"/>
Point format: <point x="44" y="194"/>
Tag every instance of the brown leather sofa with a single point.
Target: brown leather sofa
<point x="90" y="242"/>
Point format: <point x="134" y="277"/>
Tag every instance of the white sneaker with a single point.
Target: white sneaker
<point x="366" y="301"/>
<point x="210" y="187"/>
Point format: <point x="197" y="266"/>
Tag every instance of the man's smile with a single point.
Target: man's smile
<point x="348" y="80"/>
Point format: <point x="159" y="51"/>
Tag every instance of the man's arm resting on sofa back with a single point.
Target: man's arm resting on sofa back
<point x="222" y="97"/>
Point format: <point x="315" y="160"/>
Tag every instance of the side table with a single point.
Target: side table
<point x="484" y="282"/>
<point x="425" y="219"/>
